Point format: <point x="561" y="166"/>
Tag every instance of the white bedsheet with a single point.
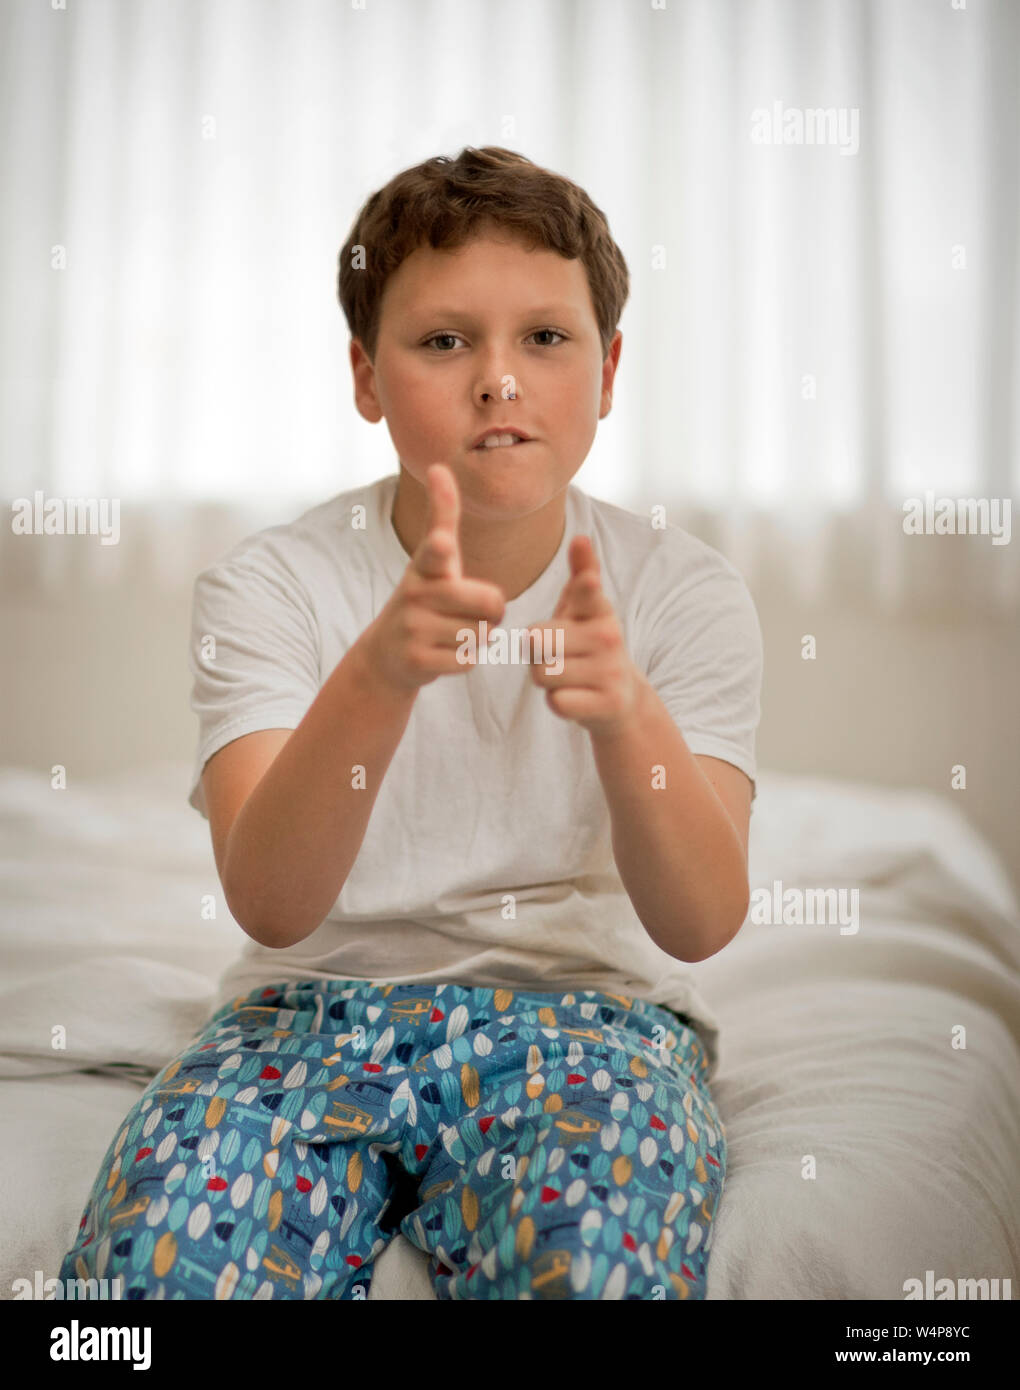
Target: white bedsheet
<point x="835" y="1047"/>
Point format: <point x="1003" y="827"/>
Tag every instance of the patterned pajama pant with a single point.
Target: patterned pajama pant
<point x="534" y="1145"/>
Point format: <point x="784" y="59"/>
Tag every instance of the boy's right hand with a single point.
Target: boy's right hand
<point x="414" y="638"/>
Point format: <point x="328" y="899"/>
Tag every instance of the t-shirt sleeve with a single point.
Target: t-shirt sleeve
<point x="704" y="656"/>
<point x="254" y="655"/>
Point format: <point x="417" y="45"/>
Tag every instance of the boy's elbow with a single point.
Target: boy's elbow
<point x="270" y="929"/>
<point x="272" y="933"/>
<point x="725" y="928"/>
<point x="263" y="936"/>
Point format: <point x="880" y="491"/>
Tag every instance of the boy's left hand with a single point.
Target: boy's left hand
<point x="599" y="685"/>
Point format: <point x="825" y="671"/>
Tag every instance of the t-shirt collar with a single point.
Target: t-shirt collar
<point x="549" y="582"/>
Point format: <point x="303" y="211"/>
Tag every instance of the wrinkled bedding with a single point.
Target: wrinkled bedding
<point x="866" y="1144"/>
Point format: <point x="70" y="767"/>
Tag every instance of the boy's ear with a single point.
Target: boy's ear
<point x="365" y="398"/>
<point x="609" y="372"/>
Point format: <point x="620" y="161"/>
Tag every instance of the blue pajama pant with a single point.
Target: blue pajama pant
<point x="534" y="1145"/>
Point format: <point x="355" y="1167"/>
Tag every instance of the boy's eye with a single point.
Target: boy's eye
<point x="553" y="331"/>
<point x="538" y="331"/>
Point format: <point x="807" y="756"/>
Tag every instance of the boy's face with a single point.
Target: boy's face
<point x="454" y="326"/>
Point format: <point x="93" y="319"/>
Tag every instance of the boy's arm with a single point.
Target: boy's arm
<point x="291" y="846"/>
<point x="296" y="837"/>
<point x="681" y="847"/>
<point x="679" y="822"/>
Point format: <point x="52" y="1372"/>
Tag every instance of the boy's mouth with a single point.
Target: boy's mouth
<point x="501" y="437"/>
<point x="500" y="441"/>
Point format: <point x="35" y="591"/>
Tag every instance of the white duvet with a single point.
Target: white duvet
<point x="865" y="1149"/>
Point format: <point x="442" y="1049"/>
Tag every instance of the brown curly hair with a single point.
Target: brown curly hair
<point x="443" y="202"/>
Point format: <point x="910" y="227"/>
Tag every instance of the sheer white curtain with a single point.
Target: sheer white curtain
<point x="817" y="331"/>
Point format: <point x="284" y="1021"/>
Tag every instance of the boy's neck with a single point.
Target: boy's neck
<point x="512" y="554"/>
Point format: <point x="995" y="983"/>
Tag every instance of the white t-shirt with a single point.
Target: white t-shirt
<point x="489" y="793"/>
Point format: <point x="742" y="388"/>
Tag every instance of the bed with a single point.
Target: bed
<point x="866" y="1145"/>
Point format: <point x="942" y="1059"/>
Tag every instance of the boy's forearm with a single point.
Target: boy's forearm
<point x="295" y="839"/>
<point x="676" y="849"/>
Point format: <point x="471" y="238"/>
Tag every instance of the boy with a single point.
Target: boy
<point x="471" y="873"/>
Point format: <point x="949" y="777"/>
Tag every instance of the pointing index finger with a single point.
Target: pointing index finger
<point x="438" y="556"/>
<point x="583" y="596"/>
